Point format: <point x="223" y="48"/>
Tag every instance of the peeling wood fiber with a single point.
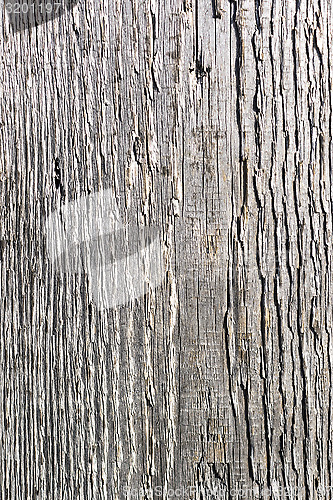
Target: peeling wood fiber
<point x="213" y="122"/>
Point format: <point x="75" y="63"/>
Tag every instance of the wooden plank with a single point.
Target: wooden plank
<point x="211" y="121"/>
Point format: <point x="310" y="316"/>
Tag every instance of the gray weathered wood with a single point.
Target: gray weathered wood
<point x="212" y="121"/>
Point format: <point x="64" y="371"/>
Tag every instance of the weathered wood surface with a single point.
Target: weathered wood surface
<point x="213" y="121"/>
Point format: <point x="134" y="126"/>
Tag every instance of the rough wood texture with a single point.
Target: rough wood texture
<point x="213" y="121"/>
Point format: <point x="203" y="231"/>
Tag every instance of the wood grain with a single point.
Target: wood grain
<point x="213" y="122"/>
